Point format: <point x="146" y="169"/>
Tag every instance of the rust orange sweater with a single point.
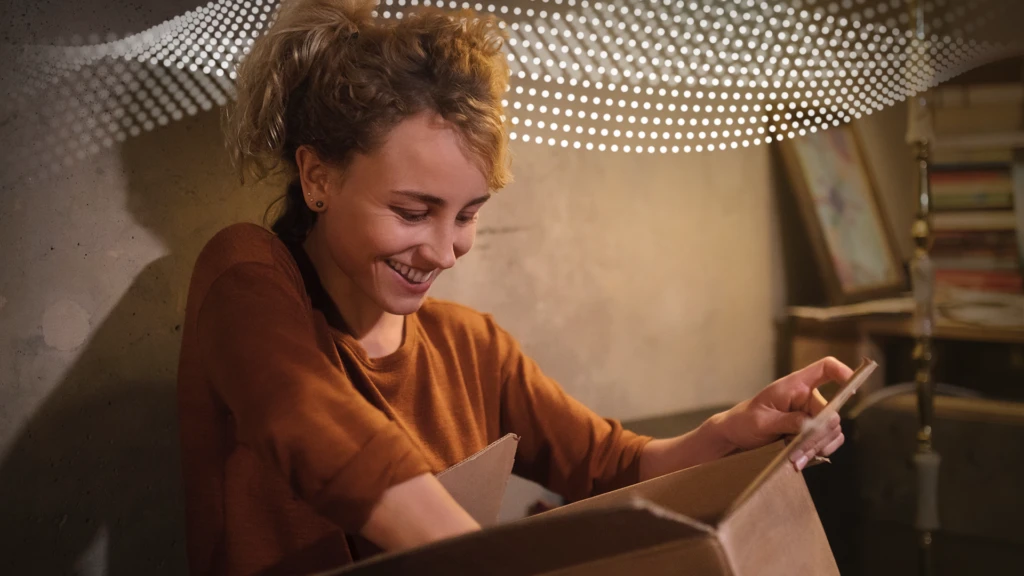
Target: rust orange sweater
<point x="290" y="433"/>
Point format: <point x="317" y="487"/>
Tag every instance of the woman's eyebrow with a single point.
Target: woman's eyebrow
<point x="478" y="201"/>
<point x="432" y="200"/>
<point x="428" y="199"/>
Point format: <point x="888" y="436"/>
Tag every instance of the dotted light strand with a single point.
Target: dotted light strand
<point x="658" y="76"/>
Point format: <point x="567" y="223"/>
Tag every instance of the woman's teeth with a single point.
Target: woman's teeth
<point x="411" y="274"/>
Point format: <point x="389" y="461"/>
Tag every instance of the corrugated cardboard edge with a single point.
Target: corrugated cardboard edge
<point x="712" y="487"/>
<point x="633" y="503"/>
<point x="699" y="553"/>
<point x="860" y="375"/>
<point x="702" y="535"/>
<point x="662" y="512"/>
<point x="478" y="483"/>
<point x="500" y="441"/>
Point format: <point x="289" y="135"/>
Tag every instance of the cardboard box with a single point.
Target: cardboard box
<point x="477" y="484"/>
<point x="744" y="515"/>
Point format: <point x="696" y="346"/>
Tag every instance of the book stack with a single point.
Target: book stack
<point x="974" y="225"/>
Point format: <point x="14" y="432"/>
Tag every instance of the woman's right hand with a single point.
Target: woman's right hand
<point x="416" y="512"/>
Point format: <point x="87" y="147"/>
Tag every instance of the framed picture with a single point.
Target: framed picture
<point x="839" y="202"/>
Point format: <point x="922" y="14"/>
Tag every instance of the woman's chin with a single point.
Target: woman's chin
<point x="402" y="306"/>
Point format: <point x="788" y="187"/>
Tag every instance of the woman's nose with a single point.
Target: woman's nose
<point x="441" y="248"/>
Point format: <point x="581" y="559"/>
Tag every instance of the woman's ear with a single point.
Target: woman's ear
<point x="314" y="175"/>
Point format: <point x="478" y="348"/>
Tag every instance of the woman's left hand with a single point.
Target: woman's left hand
<point x="781" y="409"/>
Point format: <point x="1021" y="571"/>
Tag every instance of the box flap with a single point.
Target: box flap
<point x="777" y="531"/>
<point x="539" y="544"/>
<point x="859" y="376"/>
<point x="702" y="493"/>
<point x="478" y="482"/>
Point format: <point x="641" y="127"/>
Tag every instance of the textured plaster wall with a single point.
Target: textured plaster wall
<point x="644" y="284"/>
<point x="95" y="266"/>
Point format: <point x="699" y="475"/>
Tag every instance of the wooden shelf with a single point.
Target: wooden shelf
<point x="975" y="141"/>
<point x="902" y="325"/>
<point x="945" y="330"/>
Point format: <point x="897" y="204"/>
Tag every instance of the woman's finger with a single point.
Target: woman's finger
<point x="817" y="442"/>
<point x="831" y="424"/>
<point x="829" y="445"/>
<point x="823" y="441"/>
<point x="834" y="445"/>
<point x="786" y="423"/>
<point x="816" y="403"/>
<point x="827" y="369"/>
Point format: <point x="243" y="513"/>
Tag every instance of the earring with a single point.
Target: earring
<point x="319" y="203"/>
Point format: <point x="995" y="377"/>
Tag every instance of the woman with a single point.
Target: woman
<point x="319" y="389"/>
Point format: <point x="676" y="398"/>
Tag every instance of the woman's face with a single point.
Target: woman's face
<point x="395" y="219"/>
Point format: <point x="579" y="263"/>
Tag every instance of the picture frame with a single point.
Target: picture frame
<point x="839" y="203"/>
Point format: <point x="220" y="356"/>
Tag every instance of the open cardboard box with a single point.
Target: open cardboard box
<point x="743" y="515"/>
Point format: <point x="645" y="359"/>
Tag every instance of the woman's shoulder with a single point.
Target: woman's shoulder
<point x="244" y="245"/>
<point x="241" y="243"/>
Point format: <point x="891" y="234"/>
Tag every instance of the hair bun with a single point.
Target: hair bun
<point x="351" y="16"/>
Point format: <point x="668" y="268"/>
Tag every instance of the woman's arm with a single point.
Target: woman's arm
<point x="563" y="445"/>
<point x="779" y="410"/>
<point x="704" y="444"/>
<point x="416" y="512"/>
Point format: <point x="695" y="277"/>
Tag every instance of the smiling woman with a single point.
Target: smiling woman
<point x="319" y="389"/>
<point x="390" y="221"/>
<point x="393" y="219"/>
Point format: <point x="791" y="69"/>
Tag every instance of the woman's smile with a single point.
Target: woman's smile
<point x="418" y="280"/>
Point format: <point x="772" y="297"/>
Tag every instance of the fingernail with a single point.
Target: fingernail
<point x="801" y="462"/>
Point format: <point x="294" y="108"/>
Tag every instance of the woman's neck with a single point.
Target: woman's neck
<point x="380" y="333"/>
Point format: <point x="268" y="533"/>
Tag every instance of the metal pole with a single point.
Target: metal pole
<point x="926" y="459"/>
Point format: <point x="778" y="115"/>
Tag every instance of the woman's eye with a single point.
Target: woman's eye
<point x="410" y="215"/>
<point x="465" y="218"/>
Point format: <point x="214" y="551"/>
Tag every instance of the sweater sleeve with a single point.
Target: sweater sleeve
<point x="563" y="444"/>
<point x="290" y="404"/>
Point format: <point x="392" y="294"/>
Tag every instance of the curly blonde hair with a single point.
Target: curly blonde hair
<point x="328" y="75"/>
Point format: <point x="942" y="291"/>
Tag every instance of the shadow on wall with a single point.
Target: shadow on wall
<point x="92" y="482"/>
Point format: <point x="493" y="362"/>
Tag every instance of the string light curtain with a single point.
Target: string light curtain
<point x="648" y="76"/>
